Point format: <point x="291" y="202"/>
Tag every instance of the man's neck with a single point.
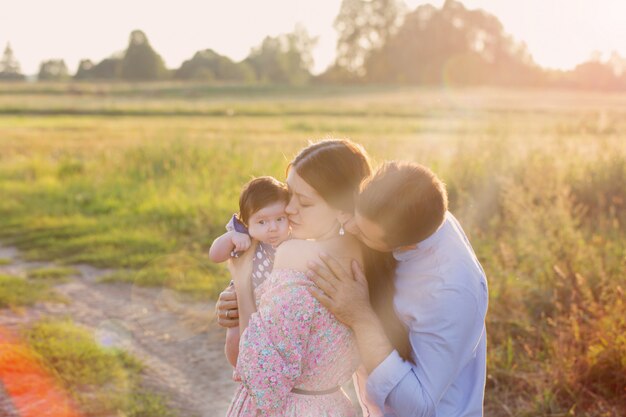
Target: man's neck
<point x="406" y="247"/>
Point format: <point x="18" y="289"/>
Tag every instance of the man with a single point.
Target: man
<point x="441" y="295"/>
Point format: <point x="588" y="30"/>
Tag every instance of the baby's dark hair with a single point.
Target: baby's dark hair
<point x="258" y="193"/>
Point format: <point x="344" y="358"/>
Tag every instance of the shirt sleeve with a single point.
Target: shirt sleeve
<point x="273" y="345"/>
<point x="234" y="224"/>
<point x="230" y="226"/>
<point x="444" y="336"/>
<point x="368" y="406"/>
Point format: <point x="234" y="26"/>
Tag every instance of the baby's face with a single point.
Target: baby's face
<point x="270" y="224"/>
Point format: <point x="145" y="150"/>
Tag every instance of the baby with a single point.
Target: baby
<point x="261" y="217"/>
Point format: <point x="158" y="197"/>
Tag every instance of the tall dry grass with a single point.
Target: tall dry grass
<point x="538" y="181"/>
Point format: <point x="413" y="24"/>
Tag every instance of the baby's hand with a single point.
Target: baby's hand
<point x="241" y="241"/>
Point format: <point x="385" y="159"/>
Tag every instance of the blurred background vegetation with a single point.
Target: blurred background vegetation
<point x="379" y="41"/>
<point x="146" y="178"/>
<point x="136" y="167"/>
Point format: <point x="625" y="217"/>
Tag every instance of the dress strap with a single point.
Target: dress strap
<point x="325" y="392"/>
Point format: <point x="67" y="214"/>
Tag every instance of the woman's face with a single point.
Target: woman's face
<point x="309" y="215"/>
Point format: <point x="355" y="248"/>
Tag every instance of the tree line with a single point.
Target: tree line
<point x="379" y="42"/>
<point x="285" y="59"/>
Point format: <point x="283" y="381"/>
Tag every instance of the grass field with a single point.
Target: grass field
<point x="102" y="381"/>
<point x="141" y="178"/>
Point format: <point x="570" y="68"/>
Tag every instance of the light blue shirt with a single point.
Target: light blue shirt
<point x="441" y="294"/>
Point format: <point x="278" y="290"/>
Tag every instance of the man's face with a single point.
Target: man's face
<point x="368" y="232"/>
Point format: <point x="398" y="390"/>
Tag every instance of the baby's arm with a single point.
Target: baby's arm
<point x="223" y="246"/>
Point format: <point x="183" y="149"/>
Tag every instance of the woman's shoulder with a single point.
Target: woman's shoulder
<point x="295" y="254"/>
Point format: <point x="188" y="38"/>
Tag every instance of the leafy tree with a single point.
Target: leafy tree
<point x="598" y="75"/>
<point x="9" y="67"/>
<point x="209" y="65"/>
<point x="84" y="70"/>
<point x="301" y="44"/>
<point x="53" y="70"/>
<point x="451" y="45"/>
<point x="107" y="69"/>
<point x="285" y="59"/>
<point x="140" y="61"/>
<point x="364" y="26"/>
<point x="618" y="64"/>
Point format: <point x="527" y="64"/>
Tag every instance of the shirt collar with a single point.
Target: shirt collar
<point x="429" y="242"/>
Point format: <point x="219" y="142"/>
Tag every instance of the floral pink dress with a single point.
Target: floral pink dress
<point x="293" y="352"/>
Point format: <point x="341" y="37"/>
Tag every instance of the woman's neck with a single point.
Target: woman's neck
<point x="330" y="234"/>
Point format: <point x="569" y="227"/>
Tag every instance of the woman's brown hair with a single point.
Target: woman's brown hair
<point x="335" y="169"/>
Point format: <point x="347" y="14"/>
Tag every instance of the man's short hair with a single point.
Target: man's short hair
<point x="406" y="199"/>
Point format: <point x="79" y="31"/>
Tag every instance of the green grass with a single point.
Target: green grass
<point x="5" y="261"/>
<point x="180" y="271"/>
<point x="102" y="381"/>
<point x="148" y="175"/>
<point x="54" y="274"/>
<point x="17" y="292"/>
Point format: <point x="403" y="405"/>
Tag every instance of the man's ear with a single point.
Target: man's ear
<point x="345" y="216"/>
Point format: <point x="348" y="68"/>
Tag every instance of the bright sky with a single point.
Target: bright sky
<point x="558" y="33"/>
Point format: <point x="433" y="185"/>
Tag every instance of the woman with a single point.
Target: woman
<point x="293" y="354"/>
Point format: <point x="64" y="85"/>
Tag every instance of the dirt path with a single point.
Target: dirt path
<point x="179" y="342"/>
